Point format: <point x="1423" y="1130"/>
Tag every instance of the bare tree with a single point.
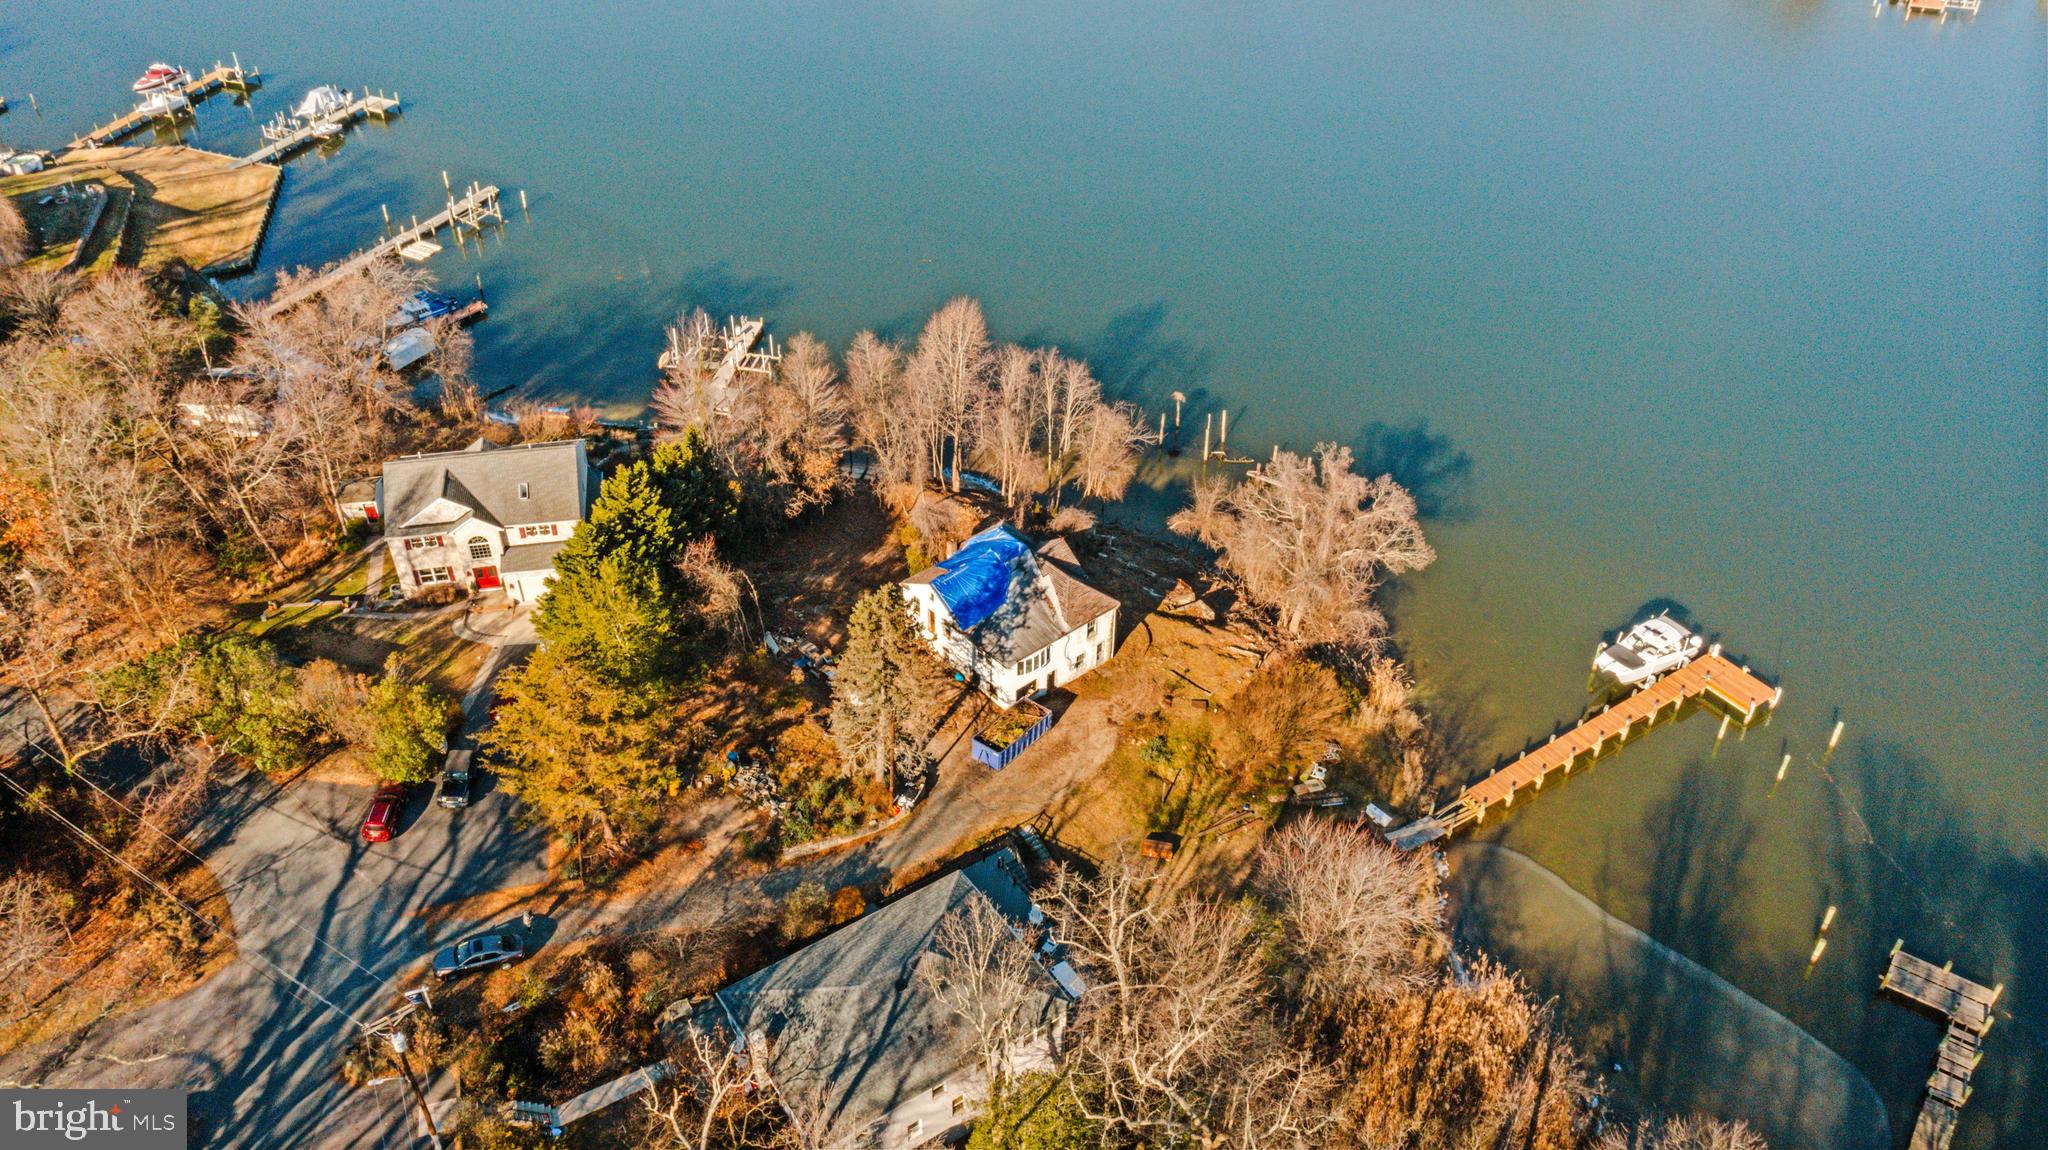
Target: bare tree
<point x="799" y="426"/>
<point x="1110" y="448"/>
<point x="32" y="931"/>
<point x="884" y="425"/>
<point x="713" y="1100"/>
<point x="117" y="325"/>
<point x="984" y="973"/>
<point x="949" y="379"/>
<point x="1359" y="917"/>
<point x="722" y="592"/>
<point x="1175" y="1041"/>
<point x="1311" y="541"/>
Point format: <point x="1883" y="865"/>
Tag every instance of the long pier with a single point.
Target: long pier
<point x="319" y="127"/>
<point x="230" y="76"/>
<point x="478" y="204"/>
<point x="1968" y="1007"/>
<point x="1710" y="675"/>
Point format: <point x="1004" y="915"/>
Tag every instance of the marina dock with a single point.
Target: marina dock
<point x="314" y="130"/>
<point x="232" y="77"/>
<point x="1711" y="675"/>
<point x="478" y="205"/>
<point x="1968" y="1007"/>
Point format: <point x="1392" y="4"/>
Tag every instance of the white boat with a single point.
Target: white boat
<point x="321" y="102"/>
<point x="164" y="102"/>
<point x="1647" y="650"/>
<point x="161" y="75"/>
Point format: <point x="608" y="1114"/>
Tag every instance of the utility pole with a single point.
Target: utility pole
<point x="398" y="1044"/>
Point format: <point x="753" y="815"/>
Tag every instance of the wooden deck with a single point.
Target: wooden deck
<point x="380" y="106"/>
<point x="477" y="205"/>
<point x="213" y="80"/>
<point x="1710" y="675"/>
<point x="1968" y="1006"/>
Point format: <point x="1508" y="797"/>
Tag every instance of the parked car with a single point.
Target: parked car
<point x="382" y="821"/>
<point x="480" y="953"/>
<point x="453" y="790"/>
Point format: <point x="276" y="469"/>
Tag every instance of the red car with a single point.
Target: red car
<point x="382" y="821"/>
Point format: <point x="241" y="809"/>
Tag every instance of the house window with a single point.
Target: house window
<point x="522" y="491"/>
<point x="419" y="542"/>
<point x="480" y="550"/>
<point x="939" y="1090"/>
<point x="539" y="530"/>
<point x="915" y="1129"/>
<point x="959" y="1103"/>
<point x="428" y="576"/>
<point x="1091" y="628"/>
<point x="1035" y="662"/>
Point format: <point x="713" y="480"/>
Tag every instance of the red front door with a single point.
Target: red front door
<point x="486" y="578"/>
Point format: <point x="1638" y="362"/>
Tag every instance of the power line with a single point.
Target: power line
<point x="168" y="895"/>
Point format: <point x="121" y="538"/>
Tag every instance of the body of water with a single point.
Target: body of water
<point x="1735" y="307"/>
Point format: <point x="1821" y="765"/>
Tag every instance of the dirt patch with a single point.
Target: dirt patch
<point x="809" y="578"/>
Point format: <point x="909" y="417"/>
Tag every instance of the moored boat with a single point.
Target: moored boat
<point x="161" y="75"/>
<point x="1648" y="649"/>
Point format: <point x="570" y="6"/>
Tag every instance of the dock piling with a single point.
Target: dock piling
<point x="1836" y="737"/>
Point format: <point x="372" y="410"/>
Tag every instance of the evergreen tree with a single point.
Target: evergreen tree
<point x="629" y="518"/>
<point x="409" y="728"/>
<point x="889" y="690"/>
<point x="583" y="752"/>
<point x="615" y="616"/>
<point x="701" y="498"/>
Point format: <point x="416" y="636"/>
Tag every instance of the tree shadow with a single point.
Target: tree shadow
<point x="1136" y="360"/>
<point x="1436" y="472"/>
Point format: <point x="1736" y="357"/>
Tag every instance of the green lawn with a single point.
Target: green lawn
<point x="292" y="617"/>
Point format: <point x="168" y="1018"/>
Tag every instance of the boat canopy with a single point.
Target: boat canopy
<point x="320" y="102"/>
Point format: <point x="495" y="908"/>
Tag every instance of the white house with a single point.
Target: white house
<point x="1019" y="621"/>
<point x="484" y="517"/>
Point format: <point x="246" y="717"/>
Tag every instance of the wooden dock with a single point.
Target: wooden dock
<point x="727" y="351"/>
<point x="221" y="76"/>
<point x="478" y="205"/>
<point x="1968" y="1007"/>
<point x="1711" y="675"/>
<point x="1940" y="8"/>
<point x="314" y="130"/>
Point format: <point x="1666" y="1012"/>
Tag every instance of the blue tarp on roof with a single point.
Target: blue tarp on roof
<point x="977" y="577"/>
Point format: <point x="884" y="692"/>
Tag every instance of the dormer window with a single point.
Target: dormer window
<point x="523" y="491"/>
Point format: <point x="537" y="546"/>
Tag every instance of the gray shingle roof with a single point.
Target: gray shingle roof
<point x="523" y="557"/>
<point x="848" y="1021"/>
<point x="1046" y="600"/>
<point x="486" y="481"/>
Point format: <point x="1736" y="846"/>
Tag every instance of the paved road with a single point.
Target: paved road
<point x="260" y="1055"/>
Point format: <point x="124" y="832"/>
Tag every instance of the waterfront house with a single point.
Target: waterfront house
<point x="856" y="1044"/>
<point x="485" y="517"/>
<point x="1019" y="621"/>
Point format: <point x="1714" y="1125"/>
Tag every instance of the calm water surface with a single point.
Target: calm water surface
<point x="1739" y="307"/>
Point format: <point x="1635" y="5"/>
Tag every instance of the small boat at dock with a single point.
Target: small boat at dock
<point x="161" y="75"/>
<point x="164" y="102"/>
<point x="1648" y="649"/>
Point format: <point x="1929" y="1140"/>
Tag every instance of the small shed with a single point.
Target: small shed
<point x="1162" y="846"/>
